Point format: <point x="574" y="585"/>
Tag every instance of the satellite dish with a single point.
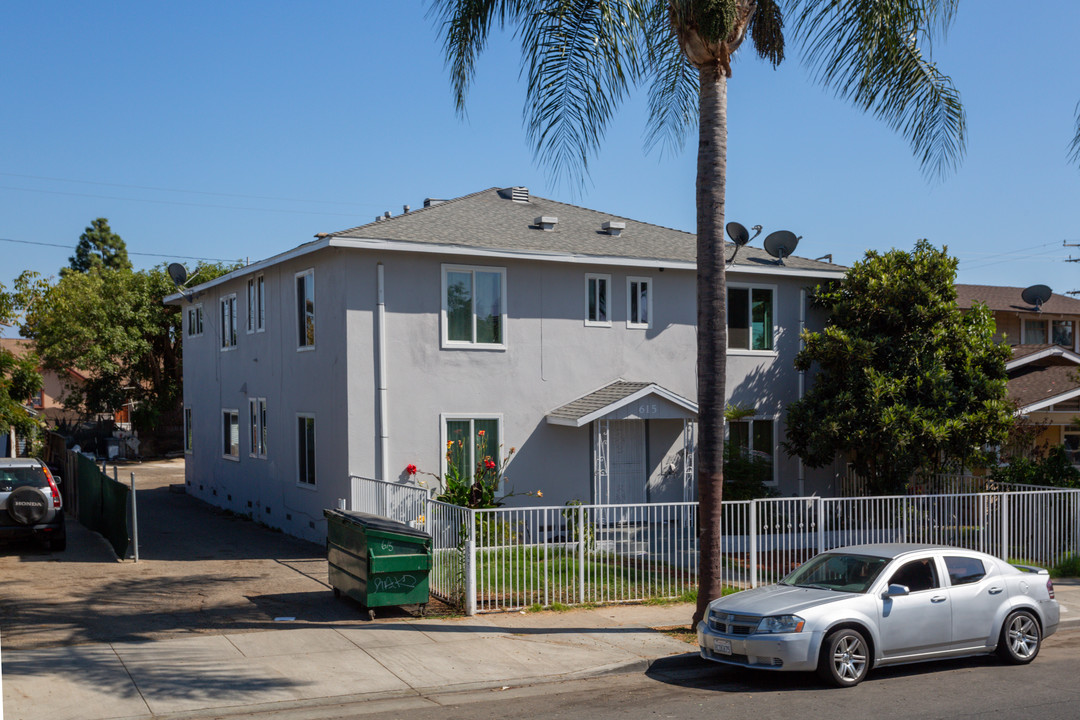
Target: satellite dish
<point x="781" y="244"/>
<point x="740" y="236"/>
<point x="178" y="273"/>
<point x="1036" y="295"/>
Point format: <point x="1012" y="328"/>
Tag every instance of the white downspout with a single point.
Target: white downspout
<point x="380" y="340"/>
<point x="802" y="379"/>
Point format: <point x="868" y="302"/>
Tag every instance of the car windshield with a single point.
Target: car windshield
<point x="15" y="477"/>
<point x="842" y="572"/>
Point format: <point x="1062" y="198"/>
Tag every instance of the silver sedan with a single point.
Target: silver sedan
<point x="850" y="609"/>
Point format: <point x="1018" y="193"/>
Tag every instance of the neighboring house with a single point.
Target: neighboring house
<point x="499" y="319"/>
<point x="49" y="402"/>
<point x="1044" y="372"/>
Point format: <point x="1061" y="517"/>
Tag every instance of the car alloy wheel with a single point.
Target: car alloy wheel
<point x="844" y="660"/>
<point x="1020" y="638"/>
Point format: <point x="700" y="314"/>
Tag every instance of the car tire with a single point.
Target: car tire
<point x="1021" y="638"/>
<point x="845" y="658"/>
<point x="56" y="544"/>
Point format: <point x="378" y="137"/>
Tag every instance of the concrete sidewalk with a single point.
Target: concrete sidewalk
<point x="385" y="658"/>
<point x="382" y="659"/>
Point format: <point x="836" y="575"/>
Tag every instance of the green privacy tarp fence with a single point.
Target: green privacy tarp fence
<point x="103" y="505"/>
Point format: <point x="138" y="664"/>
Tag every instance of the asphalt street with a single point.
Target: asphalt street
<point x="682" y="687"/>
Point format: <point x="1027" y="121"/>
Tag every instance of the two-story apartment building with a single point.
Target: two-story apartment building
<point x="1044" y="372"/>
<point x="498" y="319"/>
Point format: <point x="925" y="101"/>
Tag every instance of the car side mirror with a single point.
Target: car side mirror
<point x="895" y="590"/>
<point x="57" y="479"/>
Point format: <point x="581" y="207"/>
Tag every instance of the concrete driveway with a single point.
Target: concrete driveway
<point x="200" y="571"/>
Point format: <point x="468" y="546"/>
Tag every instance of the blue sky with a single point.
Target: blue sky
<point x="237" y="130"/>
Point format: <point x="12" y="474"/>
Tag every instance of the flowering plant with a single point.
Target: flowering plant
<point x="478" y="489"/>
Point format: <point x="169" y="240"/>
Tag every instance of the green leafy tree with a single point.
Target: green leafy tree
<point x="581" y="58"/>
<point x="1048" y="467"/>
<point x="99" y="247"/>
<point x="112" y="324"/>
<point x="19" y="378"/>
<point x="906" y="382"/>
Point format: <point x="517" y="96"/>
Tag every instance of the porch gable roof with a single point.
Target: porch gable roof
<point x="617" y="396"/>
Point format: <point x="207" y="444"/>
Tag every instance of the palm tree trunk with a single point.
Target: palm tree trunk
<point x="712" y="327"/>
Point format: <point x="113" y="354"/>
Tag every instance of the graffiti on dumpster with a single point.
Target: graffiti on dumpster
<point x="386" y="546"/>
<point x="401" y="582"/>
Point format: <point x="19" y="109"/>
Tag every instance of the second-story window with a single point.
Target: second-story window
<point x="305" y="309"/>
<point x="596" y="299"/>
<point x="750" y="318"/>
<point x="194" y="320"/>
<point x="474" y="307"/>
<point x="256" y="304"/>
<point x="638" y="302"/>
<point x="1043" y="332"/>
<point x="228" y="322"/>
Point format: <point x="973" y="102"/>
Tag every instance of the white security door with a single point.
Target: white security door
<point x="627" y="461"/>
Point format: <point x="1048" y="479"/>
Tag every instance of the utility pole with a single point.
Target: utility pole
<point x="1066" y="243"/>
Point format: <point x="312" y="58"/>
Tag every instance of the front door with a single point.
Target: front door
<point x="627" y="461"/>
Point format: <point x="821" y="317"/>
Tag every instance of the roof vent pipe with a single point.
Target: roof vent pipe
<point x="614" y="228"/>
<point x="546" y="222"/>
<point x="405" y="209"/>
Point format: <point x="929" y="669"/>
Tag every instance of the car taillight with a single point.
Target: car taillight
<point x="56" y="492"/>
<point x="1050" y="587"/>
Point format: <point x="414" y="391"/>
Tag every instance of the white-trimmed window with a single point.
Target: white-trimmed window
<point x="638" y="302"/>
<point x="750" y="318"/>
<point x="230" y="433"/>
<point x="305" y="449"/>
<point x="471" y="442"/>
<point x="194" y="320"/>
<point x="755" y="436"/>
<point x="257" y="417"/>
<point x="597" y="300"/>
<point x="305" y="309"/>
<point x="1044" y="332"/>
<point x="474" y="307"/>
<point x="228" y="322"/>
<point x="256" y="304"/>
<point x="189" y="437"/>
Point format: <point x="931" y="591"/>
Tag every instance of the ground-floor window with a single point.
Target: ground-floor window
<point x="756" y="436"/>
<point x="471" y="442"/>
<point x="257" y="414"/>
<point x="1071" y="438"/>
<point x="230" y="434"/>
<point x="305" y="448"/>
<point x="189" y="440"/>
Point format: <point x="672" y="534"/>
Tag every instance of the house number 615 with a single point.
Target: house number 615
<point x="647" y="409"/>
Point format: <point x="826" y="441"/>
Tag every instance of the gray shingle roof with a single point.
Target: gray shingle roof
<point x="490" y="220"/>
<point x="611" y="397"/>
<point x="1001" y="297"/>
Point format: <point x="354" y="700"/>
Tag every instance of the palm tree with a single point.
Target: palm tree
<point x="582" y="57"/>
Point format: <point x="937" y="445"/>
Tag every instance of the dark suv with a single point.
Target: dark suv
<point x="30" y="505"/>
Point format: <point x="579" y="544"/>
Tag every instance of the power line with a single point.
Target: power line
<point x="177" y="202"/>
<point x="145" y="254"/>
<point x="190" y="192"/>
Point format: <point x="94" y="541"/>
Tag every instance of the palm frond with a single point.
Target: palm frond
<point x="767" y="31"/>
<point x="1074" y="146"/>
<point x="466" y="24"/>
<point x="582" y="57"/>
<point x="868" y="52"/>
<point x="673" y="93"/>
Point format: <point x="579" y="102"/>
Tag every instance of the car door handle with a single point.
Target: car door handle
<point x="938" y="599"/>
<point x="995" y="590"/>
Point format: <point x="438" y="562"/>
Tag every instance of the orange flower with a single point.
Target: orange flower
<point x="539" y="494"/>
<point x="480" y="433"/>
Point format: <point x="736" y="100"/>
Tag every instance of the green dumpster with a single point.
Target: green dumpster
<point x="377" y="561"/>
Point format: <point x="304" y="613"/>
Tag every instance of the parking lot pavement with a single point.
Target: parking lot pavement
<point x="200" y="571"/>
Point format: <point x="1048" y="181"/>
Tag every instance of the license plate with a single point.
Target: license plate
<point x="722" y="646"/>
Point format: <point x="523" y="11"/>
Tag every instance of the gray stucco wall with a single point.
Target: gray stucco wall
<point x="551" y="358"/>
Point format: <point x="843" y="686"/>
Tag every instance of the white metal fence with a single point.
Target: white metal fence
<point x="508" y="558"/>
